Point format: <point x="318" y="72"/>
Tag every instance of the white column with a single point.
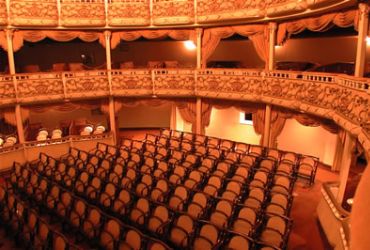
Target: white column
<point x="198" y="126"/>
<point x="173" y="117"/>
<point x="9" y="40"/>
<point x="349" y="143"/>
<point x="363" y="26"/>
<point x="338" y="154"/>
<point x="112" y="119"/>
<point x="199" y="32"/>
<point x="18" y="118"/>
<point x="270" y="64"/>
<point x="267" y="126"/>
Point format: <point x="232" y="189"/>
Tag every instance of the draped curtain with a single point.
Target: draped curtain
<point x="258" y="34"/>
<point x="34" y="36"/>
<point x="176" y="34"/>
<point x="321" y="23"/>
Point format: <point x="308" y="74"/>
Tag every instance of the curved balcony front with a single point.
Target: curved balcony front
<point x="154" y="13"/>
<point x="341" y="98"/>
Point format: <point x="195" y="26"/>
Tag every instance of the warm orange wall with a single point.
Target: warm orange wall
<point x="319" y="50"/>
<point x="52" y="119"/>
<point x="144" y="116"/>
<point x="225" y="124"/>
<point x="237" y="50"/>
<point x="314" y="141"/>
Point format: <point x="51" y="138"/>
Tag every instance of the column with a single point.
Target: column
<point x="267" y="126"/>
<point x="198" y="126"/>
<point x="173" y="117"/>
<point x="270" y="64"/>
<point x="338" y="154"/>
<point x="346" y="161"/>
<point x="363" y="25"/>
<point x="9" y="40"/>
<point x="18" y="118"/>
<point x="199" y="32"/>
<point x="112" y="115"/>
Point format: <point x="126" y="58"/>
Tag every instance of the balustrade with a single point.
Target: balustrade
<point x="126" y="13"/>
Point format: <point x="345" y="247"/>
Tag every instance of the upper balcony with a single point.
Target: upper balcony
<point x="154" y="13"/>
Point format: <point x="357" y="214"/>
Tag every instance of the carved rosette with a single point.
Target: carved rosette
<point x="167" y="12"/>
<point x="128" y="13"/>
<point x="74" y="13"/>
<point x="33" y="13"/>
<point x="33" y="88"/>
<point x="217" y="10"/>
<point x="132" y="83"/>
<point x="86" y="85"/>
<point x="174" y="83"/>
<point x="3" y="14"/>
<point x="7" y="90"/>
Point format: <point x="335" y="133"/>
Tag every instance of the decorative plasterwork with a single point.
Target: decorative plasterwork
<point x="217" y="10"/>
<point x="82" y="13"/>
<point x="33" y="13"/>
<point x="167" y="12"/>
<point x="344" y="99"/>
<point x="284" y="7"/>
<point x="128" y="13"/>
<point x="3" y="14"/>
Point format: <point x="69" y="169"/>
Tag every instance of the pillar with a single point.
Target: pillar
<point x="173" y="117"/>
<point x="338" y="154"/>
<point x="345" y="165"/>
<point x="267" y="126"/>
<point x="199" y="32"/>
<point x="363" y="25"/>
<point x="198" y="126"/>
<point x="112" y="119"/>
<point x="270" y="64"/>
<point x="18" y="118"/>
<point x="9" y="40"/>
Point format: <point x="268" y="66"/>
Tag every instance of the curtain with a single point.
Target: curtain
<point x="321" y="23"/>
<point x="62" y="36"/>
<point x="258" y="34"/>
<point x="176" y="34"/>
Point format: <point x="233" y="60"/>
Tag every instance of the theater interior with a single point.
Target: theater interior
<point x="184" y="124"/>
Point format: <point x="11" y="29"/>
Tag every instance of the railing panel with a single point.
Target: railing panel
<point x="82" y="13"/>
<point x="39" y="87"/>
<point x="168" y="12"/>
<point x="284" y="7"/>
<point x="7" y="90"/>
<point x="84" y="84"/>
<point x="128" y="13"/>
<point x="173" y="82"/>
<point x="33" y="13"/>
<point x="217" y="10"/>
<point x="3" y="13"/>
<point x="132" y="82"/>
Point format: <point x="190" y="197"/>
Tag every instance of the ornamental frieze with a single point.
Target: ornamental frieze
<point x="75" y="13"/>
<point x="128" y="13"/>
<point x="167" y="12"/>
<point x="33" y="13"/>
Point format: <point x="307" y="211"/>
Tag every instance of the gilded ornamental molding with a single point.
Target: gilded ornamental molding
<point x="155" y="13"/>
<point x="344" y="99"/>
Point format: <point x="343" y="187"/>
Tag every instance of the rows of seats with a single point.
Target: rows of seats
<point x="222" y="197"/>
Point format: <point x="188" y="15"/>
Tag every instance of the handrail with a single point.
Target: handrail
<point x="153" y="13"/>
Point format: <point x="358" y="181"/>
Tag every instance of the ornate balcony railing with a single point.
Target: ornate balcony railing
<point x="342" y="98"/>
<point x="151" y="13"/>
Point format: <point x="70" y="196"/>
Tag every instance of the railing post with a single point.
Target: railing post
<point x="267" y="126"/>
<point x="270" y="64"/>
<point x="363" y="25"/>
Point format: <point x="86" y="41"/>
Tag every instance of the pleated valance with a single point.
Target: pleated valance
<point x="34" y="36"/>
<point x="176" y="34"/>
<point x="320" y="23"/>
<point x="258" y="34"/>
